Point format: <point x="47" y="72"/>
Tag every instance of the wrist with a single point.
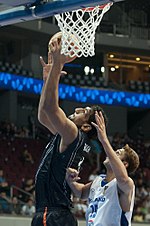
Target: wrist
<point x="104" y="141"/>
<point x="59" y="67"/>
<point x="58" y="61"/>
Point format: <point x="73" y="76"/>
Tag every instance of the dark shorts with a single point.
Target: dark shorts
<point x="55" y="217"/>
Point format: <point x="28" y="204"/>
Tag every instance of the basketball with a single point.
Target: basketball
<point x="70" y="56"/>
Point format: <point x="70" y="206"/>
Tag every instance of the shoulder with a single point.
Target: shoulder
<point x="99" y="178"/>
<point x="82" y="141"/>
<point x="85" y="140"/>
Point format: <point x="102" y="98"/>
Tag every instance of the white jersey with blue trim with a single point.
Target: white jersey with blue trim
<point x="104" y="208"/>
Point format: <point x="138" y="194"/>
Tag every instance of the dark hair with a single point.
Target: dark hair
<point x="132" y="158"/>
<point x="93" y="133"/>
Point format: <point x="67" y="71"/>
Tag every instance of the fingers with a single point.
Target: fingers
<point x="49" y="58"/>
<point x="54" y="45"/>
<point x="42" y="61"/>
<point x="95" y="125"/>
<point x="51" y="47"/>
<point x="102" y="117"/>
<point x="100" y="124"/>
<point x="63" y="73"/>
<point x="49" y="61"/>
<point x="71" y="170"/>
<point x="72" y="175"/>
<point x="99" y="118"/>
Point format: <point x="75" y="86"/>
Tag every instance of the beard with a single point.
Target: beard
<point x="73" y="119"/>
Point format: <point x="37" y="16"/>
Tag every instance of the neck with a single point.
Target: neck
<point x="109" y="176"/>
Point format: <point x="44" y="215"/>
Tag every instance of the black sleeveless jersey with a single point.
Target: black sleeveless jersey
<point x="51" y="188"/>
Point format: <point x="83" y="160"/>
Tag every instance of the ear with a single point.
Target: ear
<point x="126" y="164"/>
<point x="86" y="127"/>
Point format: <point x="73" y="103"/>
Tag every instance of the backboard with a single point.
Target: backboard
<point x="16" y="11"/>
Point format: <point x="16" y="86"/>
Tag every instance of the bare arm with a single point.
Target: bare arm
<point x="125" y="183"/>
<point x="49" y="99"/>
<point x="80" y="190"/>
<point x="42" y="117"/>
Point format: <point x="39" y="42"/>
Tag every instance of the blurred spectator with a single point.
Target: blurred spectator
<point x="2" y="179"/>
<point x="15" y="206"/>
<point x="4" y="187"/>
<point x="141" y="193"/>
<point x="138" y="215"/>
<point x="28" y="209"/>
<point x="144" y="208"/>
<point x="5" y="203"/>
<point x="28" y="186"/>
<point x="23" y="132"/>
<point x="27" y="157"/>
<point x="8" y="129"/>
<point x="147" y="216"/>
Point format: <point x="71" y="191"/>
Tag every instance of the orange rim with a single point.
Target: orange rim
<point x="88" y="9"/>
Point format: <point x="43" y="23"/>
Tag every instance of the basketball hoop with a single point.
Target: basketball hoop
<point x="78" y="29"/>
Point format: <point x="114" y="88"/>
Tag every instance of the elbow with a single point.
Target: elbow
<point x="124" y="180"/>
<point x="41" y="115"/>
<point x="44" y="114"/>
<point x="48" y="108"/>
<point x="40" y="118"/>
<point x="43" y="110"/>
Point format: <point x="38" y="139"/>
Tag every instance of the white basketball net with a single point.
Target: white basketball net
<point x="78" y="30"/>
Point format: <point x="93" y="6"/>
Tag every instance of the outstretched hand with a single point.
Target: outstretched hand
<point x="72" y="175"/>
<point x="55" y="49"/>
<point x="48" y="66"/>
<point x="100" y="126"/>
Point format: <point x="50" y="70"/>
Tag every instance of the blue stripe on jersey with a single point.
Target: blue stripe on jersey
<point x="103" y="183"/>
<point x="124" y="221"/>
<point x="102" y="175"/>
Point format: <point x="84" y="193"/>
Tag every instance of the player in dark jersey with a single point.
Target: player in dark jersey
<point x="67" y="147"/>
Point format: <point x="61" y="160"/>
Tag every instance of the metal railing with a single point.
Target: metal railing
<point x="20" y="190"/>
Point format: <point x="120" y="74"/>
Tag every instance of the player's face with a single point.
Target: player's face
<point x="120" y="154"/>
<point x="80" y="116"/>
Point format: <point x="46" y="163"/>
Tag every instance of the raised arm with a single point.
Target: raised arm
<point x="125" y="183"/>
<point x="80" y="190"/>
<point x="49" y="106"/>
<point x="42" y="117"/>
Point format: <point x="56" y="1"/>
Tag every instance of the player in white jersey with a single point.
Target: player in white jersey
<point x="110" y="196"/>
